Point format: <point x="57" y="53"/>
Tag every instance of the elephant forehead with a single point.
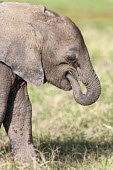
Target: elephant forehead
<point x="63" y="30"/>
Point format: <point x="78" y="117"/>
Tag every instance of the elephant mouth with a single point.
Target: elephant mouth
<point x="65" y="83"/>
<point x="74" y="74"/>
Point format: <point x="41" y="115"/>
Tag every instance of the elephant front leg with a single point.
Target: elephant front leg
<point x="18" y="125"/>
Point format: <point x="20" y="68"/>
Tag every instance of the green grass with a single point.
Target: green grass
<point x="68" y="136"/>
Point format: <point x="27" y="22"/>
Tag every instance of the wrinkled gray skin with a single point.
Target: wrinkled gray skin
<point x="38" y="46"/>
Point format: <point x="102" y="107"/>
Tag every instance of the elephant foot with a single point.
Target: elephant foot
<point x="25" y="154"/>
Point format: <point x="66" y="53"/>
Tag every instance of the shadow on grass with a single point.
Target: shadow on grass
<point x="72" y="150"/>
<point x="68" y="150"/>
<point x="5" y="149"/>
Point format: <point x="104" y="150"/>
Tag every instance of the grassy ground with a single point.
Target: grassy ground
<point x="68" y="136"/>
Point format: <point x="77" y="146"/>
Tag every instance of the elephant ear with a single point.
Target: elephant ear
<point x="21" y="50"/>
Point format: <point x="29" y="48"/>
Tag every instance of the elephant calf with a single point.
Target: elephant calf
<point x="38" y="46"/>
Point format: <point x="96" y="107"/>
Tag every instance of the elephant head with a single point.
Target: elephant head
<point x="66" y="60"/>
<point x="42" y="46"/>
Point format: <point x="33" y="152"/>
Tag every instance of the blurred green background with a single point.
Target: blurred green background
<point x="67" y="135"/>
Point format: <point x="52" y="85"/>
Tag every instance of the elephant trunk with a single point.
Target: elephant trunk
<point x="92" y="84"/>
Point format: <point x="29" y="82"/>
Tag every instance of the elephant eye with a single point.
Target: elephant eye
<point x="71" y="58"/>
